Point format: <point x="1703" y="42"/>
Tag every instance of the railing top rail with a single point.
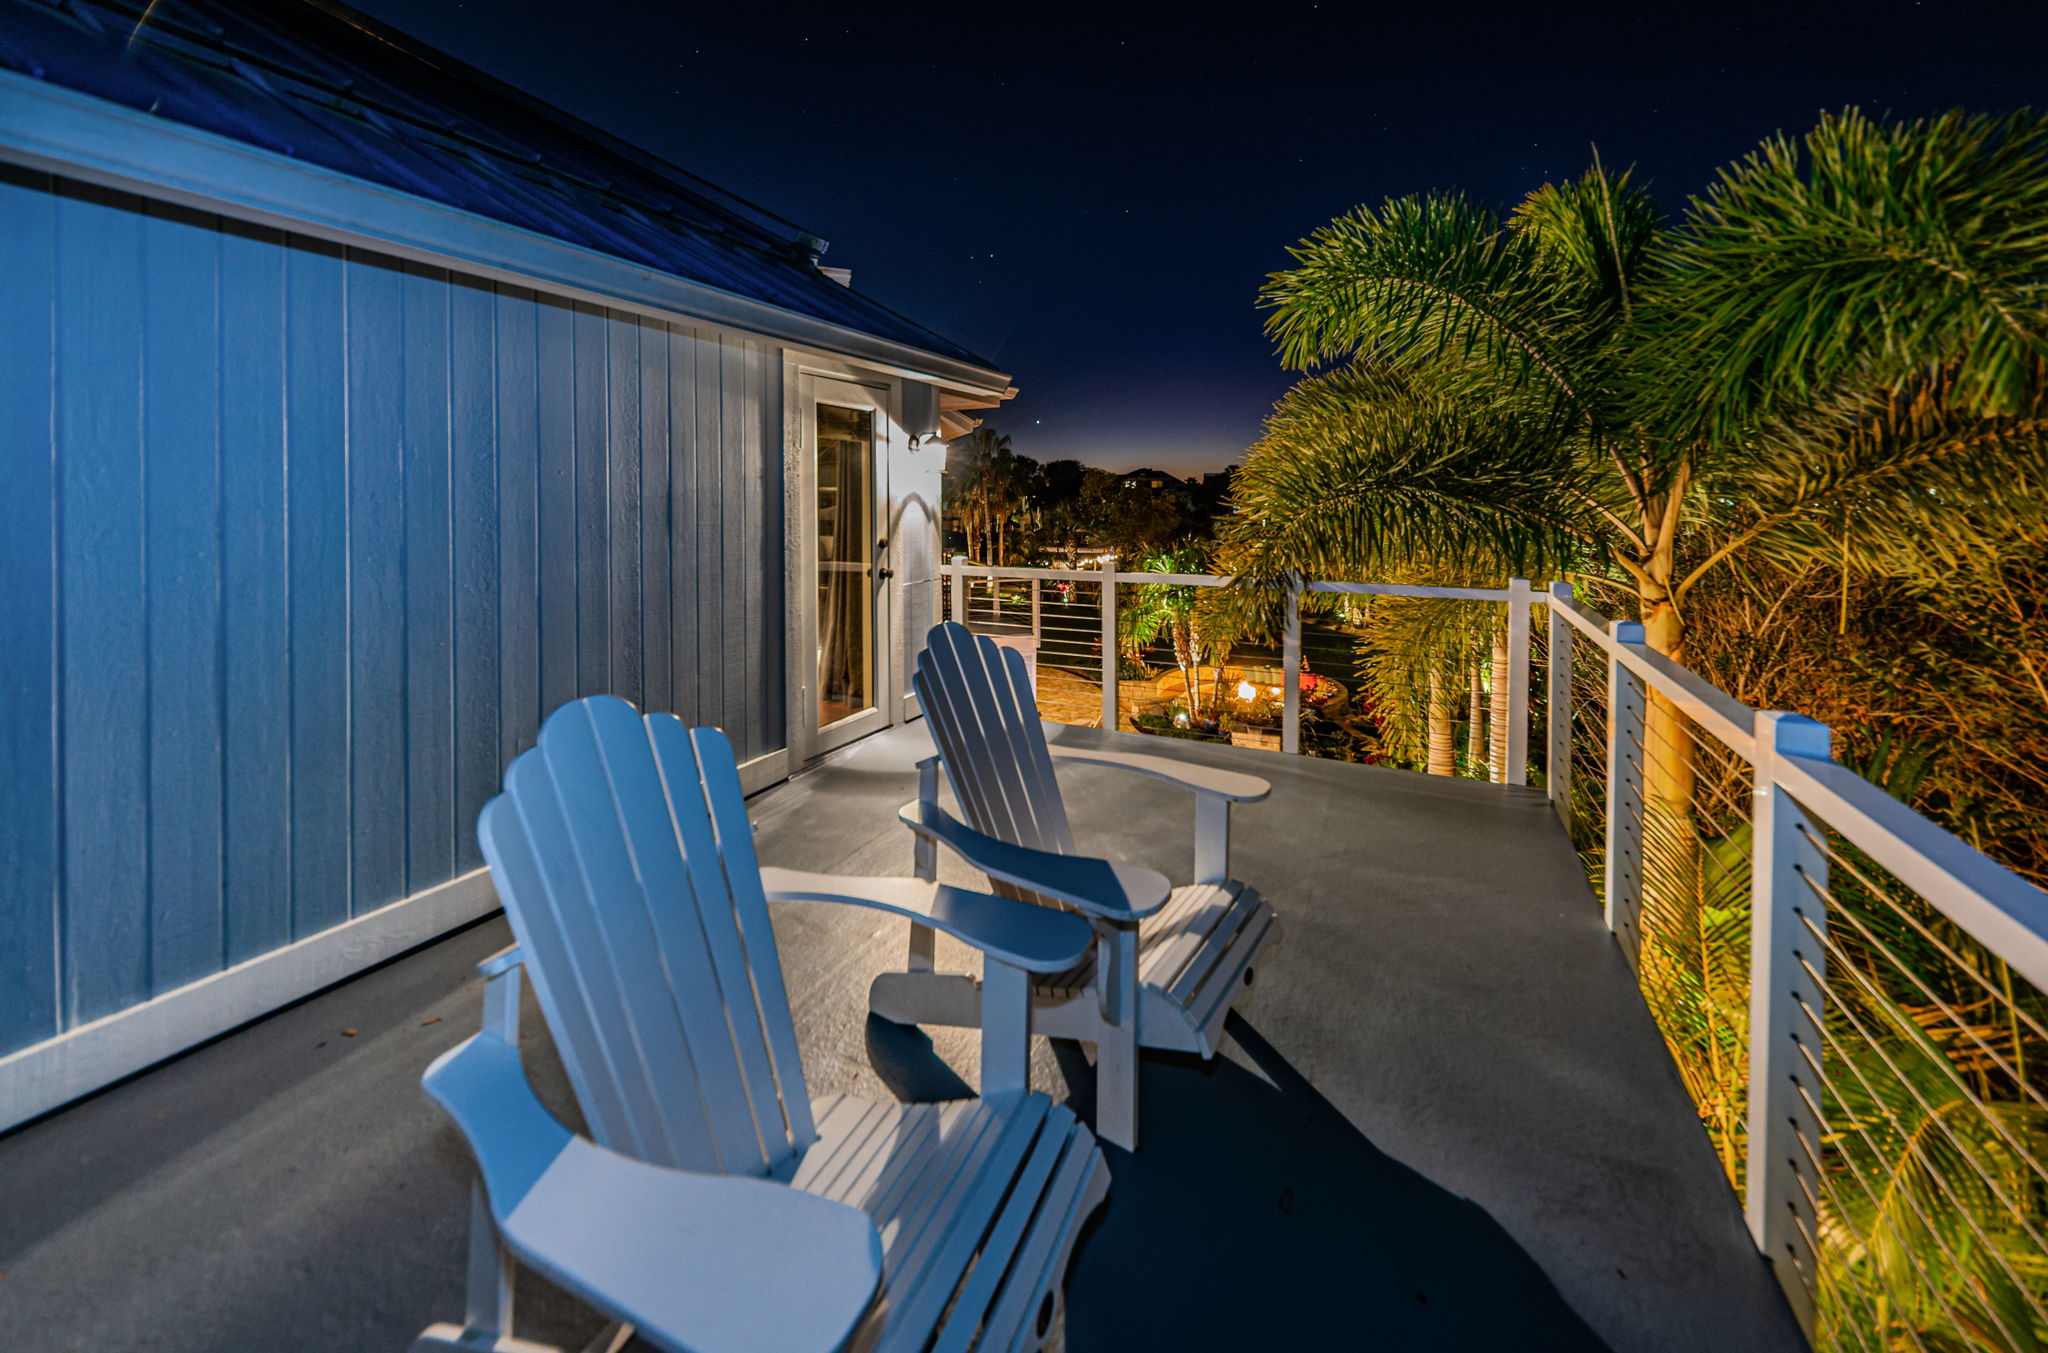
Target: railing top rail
<point x="1065" y="574"/>
<point x="2003" y="911"/>
<point x="1175" y="579"/>
<point x="1706" y="704"/>
<point x="1223" y="579"/>
<point x="1416" y="590"/>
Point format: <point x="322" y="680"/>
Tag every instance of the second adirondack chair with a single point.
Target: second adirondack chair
<point x="718" y="1208"/>
<point x="1169" y="963"/>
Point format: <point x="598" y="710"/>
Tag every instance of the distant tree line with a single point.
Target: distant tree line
<point x="1003" y="508"/>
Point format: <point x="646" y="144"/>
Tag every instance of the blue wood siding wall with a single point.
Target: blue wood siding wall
<point x="297" y="546"/>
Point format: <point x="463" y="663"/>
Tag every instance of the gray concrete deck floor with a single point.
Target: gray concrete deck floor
<point x="1445" y="1121"/>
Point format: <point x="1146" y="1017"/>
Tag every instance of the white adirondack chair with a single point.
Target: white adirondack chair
<point x="1169" y="963"/>
<point x="718" y="1208"/>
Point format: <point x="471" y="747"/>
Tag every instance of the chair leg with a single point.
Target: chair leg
<point x="1116" y="1053"/>
<point x="487" y="1322"/>
<point x="924" y="948"/>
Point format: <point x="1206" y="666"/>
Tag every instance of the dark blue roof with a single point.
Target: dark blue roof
<point x="323" y="84"/>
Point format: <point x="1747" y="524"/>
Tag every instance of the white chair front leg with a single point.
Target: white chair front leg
<point x="1116" y="1052"/>
<point x="491" y="1274"/>
<point x="925" y="865"/>
<point x="1212" y="838"/>
<point x="1005" y="1027"/>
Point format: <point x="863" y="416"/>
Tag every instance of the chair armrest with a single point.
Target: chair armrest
<point x="1232" y="786"/>
<point x="698" y="1262"/>
<point x="1036" y="939"/>
<point x="1119" y="892"/>
<point x="502" y="962"/>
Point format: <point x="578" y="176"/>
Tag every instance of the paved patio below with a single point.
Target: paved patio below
<point x="1446" y="1121"/>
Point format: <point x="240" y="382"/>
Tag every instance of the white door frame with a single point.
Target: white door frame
<point x="846" y="388"/>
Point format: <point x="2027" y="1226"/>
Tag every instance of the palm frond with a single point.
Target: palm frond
<point x="1907" y="484"/>
<point x="1365" y="469"/>
<point x="1899" y="243"/>
<point x="1423" y="278"/>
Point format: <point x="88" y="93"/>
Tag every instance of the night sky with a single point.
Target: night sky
<point x="1091" y="199"/>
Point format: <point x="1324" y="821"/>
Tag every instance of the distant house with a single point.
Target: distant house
<point x="1151" y="479"/>
<point x="357" y="410"/>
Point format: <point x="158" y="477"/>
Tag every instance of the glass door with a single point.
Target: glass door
<point x="848" y="545"/>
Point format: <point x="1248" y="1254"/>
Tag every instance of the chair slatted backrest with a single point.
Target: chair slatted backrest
<point x="622" y="852"/>
<point x="978" y="700"/>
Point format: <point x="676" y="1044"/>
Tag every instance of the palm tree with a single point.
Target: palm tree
<point x="1840" y="345"/>
<point x="983" y="482"/>
<point x="1154" y="611"/>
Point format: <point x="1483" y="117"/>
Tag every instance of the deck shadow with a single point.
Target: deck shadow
<point x="902" y="1055"/>
<point x="1256" y="1217"/>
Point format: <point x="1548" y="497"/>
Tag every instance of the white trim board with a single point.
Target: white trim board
<point x="79" y="136"/>
<point x="50" y="1074"/>
<point x="764" y="770"/>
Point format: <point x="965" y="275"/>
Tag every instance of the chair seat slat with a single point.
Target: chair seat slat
<point x="1079" y="1179"/>
<point x="993" y="1266"/>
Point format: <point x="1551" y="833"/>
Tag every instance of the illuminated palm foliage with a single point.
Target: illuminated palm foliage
<point x="1843" y="337"/>
<point x="1174" y="615"/>
<point x="1835" y="358"/>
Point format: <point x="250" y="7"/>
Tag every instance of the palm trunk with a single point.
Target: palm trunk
<point x="1499" y="722"/>
<point x="1669" y="756"/>
<point x="1442" y="717"/>
<point x="1475" y="725"/>
<point x="1189" y="661"/>
<point x="1670" y="773"/>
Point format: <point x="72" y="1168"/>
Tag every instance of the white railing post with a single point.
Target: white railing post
<point x="1557" y="763"/>
<point x="1109" y="654"/>
<point x="1037" y="627"/>
<point x="959" y="616"/>
<point x="1624" y="879"/>
<point x="1290" y="672"/>
<point x="1787" y="994"/>
<point x="1520" y="598"/>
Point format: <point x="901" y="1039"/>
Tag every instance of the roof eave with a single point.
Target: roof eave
<point x="84" y="137"/>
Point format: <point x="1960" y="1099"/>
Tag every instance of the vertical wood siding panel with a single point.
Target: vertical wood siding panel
<point x="376" y="581"/>
<point x="301" y="543"/>
<point x="710" y="558"/>
<point x="736" y="639"/>
<point x="104" y="660"/>
<point x="556" y="384"/>
<point x="428" y="617"/>
<point x="769" y="512"/>
<point x="28" y="544"/>
<point x="593" y="550"/>
<point x="658" y="676"/>
<point x="622" y="502"/>
<point x="752" y="735"/>
<point x="256" y="813"/>
<point x="473" y="430"/>
<point x="682" y="538"/>
<point x="181" y="477"/>
<point x="316" y="545"/>
<point x="518" y="449"/>
<point x="764" y="371"/>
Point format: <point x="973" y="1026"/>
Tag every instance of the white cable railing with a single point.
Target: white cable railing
<point x="1518" y="597"/>
<point x="1892" y="1127"/>
<point x="1854" y="995"/>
